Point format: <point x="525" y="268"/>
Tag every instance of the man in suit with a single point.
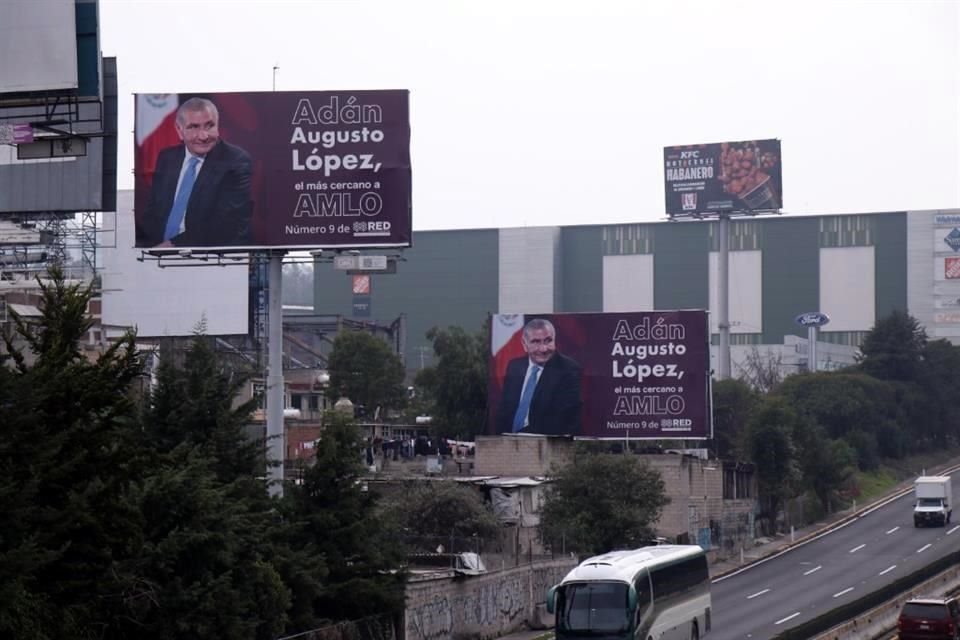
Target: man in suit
<point x="200" y="196"/>
<point x="541" y="392"/>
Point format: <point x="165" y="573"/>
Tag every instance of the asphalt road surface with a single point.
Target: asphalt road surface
<point x="808" y="580"/>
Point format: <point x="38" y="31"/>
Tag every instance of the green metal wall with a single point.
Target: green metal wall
<point x="580" y="287"/>
<point x="449" y="278"/>
<point x="791" y="274"/>
<point x="891" y="260"/>
<point x="681" y="266"/>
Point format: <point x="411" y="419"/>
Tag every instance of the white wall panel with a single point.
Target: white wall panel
<point x="38" y="45"/>
<point x="528" y="261"/>
<point x="746" y="291"/>
<point x="169" y="301"/>
<point x="848" y="288"/>
<point x="628" y="283"/>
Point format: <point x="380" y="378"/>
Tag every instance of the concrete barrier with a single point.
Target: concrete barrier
<point x="881" y="621"/>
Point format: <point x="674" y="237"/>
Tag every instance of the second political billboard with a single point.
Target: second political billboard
<point x="291" y="170"/>
<point x="643" y="375"/>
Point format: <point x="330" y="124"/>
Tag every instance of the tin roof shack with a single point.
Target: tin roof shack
<point x="711" y="502"/>
<point x="516" y="502"/>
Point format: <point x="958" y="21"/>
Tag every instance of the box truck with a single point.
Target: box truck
<point x="934" y="503"/>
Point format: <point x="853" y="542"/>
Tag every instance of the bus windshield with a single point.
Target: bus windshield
<point x="594" y="608"/>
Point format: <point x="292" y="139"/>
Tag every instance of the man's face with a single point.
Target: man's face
<point x="199" y="131"/>
<point x="540" y="345"/>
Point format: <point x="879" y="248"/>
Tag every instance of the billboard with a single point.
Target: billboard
<point x="38" y="46"/>
<point x="51" y="170"/>
<point x="642" y="375"/>
<point x="288" y="170"/>
<point x="723" y="177"/>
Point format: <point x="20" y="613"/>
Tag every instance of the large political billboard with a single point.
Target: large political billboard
<point x="643" y="375"/>
<point x="723" y="177"/>
<point x="259" y="170"/>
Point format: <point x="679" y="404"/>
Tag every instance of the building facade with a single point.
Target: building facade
<point x="856" y="268"/>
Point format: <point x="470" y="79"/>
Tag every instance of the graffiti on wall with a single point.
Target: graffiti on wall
<point x="487" y="605"/>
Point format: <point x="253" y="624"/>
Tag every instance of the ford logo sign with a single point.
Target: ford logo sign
<point x="812" y="319"/>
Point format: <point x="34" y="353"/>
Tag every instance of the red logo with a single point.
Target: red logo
<point x="361" y="285"/>
<point x="951" y="268"/>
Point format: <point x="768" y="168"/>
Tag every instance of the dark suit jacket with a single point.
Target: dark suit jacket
<point x="220" y="206"/>
<point x="555" y="406"/>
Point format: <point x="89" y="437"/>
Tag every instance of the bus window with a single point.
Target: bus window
<point x="642" y="587"/>
<point x="594" y="607"/>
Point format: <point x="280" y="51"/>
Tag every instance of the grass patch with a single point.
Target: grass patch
<point x="893" y="473"/>
<point x="874" y="484"/>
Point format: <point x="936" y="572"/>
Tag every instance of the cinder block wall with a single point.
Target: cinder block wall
<point x="520" y="455"/>
<point x="697" y="513"/>
<point x="695" y="489"/>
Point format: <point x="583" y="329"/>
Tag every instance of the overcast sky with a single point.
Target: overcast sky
<point x="531" y="113"/>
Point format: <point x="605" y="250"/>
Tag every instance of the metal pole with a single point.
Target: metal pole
<point x="723" y="298"/>
<point x="275" y="396"/>
<point x="811" y="349"/>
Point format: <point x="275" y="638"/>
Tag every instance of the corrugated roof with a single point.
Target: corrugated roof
<point x="25" y="310"/>
<point x="503" y="481"/>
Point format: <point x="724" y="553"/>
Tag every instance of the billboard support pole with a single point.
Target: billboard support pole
<point x="275" y="395"/>
<point x="723" y="298"/>
<point x="812" y="348"/>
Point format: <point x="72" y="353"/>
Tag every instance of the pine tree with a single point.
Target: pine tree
<point x="216" y="559"/>
<point x="338" y="519"/>
<point x="69" y="457"/>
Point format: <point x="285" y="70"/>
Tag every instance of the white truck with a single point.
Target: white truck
<point x="934" y="503"/>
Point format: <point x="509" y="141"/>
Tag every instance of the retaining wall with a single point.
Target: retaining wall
<point x="484" y="606"/>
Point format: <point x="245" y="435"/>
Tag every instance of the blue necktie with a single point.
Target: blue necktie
<point x="179" y="208"/>
<point x="524" y="406"/>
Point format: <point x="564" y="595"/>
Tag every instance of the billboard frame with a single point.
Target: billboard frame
<point x="641" y="380"/>
<point x="325" y="170"/>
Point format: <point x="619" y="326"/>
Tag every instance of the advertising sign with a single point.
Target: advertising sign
<point x="946" y="240"/>
<point x="643" y="375"/>
<point x="727" y="176"/>
<point x="293" y="170"/>
<point x="812" y="319"/>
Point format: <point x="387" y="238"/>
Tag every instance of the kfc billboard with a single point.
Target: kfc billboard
<point x="729" y="176"/>
<point x="639" y="375"/>
<point x="291" y="170"/>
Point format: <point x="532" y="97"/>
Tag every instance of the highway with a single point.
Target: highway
<point x="839" y="566"/>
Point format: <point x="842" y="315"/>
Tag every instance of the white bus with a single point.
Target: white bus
<point x="653" y="593"/>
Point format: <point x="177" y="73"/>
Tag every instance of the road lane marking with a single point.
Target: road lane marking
<point x="954" y="529"/>
<point x="815" y="569"/>
<point x="847" y="590"/>
<point x="855" y="549"/>
<point x="758" y="593"/>
<point x="888" y="569"/>
<point x="892" y="530"/>
<point x="924" y="548"/>
<point x="790" y="617"/>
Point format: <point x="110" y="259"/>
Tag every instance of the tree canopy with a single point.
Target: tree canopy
<point x="130" y="515"/>
<point x="456" y="387"/>
<point x="364" y="369"/>
<point x="893" y="349"/>
<point x="430" y="510"/>
<point x="602" y="502"/>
